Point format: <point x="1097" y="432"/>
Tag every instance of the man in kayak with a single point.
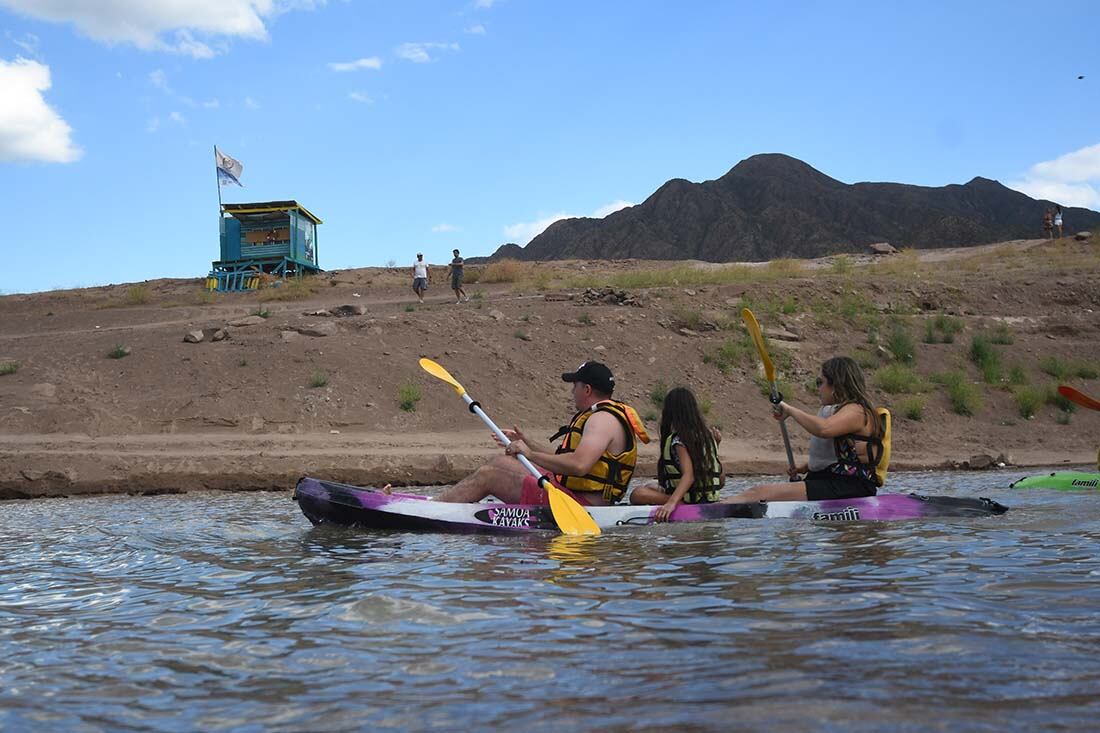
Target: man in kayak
<point x="593" y="463"/>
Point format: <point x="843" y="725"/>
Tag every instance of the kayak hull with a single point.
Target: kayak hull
<point x="1060" y="481"/>
<point x="328" y="502"/>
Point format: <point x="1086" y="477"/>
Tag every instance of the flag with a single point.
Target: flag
<point x="229" y="170"/>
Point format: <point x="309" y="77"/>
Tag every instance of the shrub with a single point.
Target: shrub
<point x="841" y="265"/>
<point x="521" y="336"/>
<point x="900" y="344"/>
<point x="730" y="353"/>
<point x="118" y="352"/>
<point x="471" y="275"/>
<point x="912" y="408"/>
<point x="1017" y="376"/>
<point x="262" y="312"/>
<point x="986" y="358"/>
<point x="137" y="295"/>
<point x="1002" y="335"/>
<point x="584" y="319"/>
<point x="8" y="367"/>
<point x="407" y="396"/>
<point x="410" y="308"/>
<point x="1056" y="398"/>
<point x="1063" y="417"/>
<point x="651" y="416"/>
<point x="1028" y="400"/>
<point x="1055" y="367"/>
<point x="242" y="363"/>
<point x="942" y="329"/>
<point x="961" y="395"/>
<point x="657" y="393"/>
<point x="504" y="271"/>
<point x="898" y="379"/>
<point x="1085" y="371"/>
<point x="319" y="379"/>
<point x="705" y="405"/>
<point x="293" y="288"/>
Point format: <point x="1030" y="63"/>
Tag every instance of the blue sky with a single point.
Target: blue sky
<point x="425" y="126"/>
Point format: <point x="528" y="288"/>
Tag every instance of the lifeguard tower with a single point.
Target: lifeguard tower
<point x="268" y="238"/>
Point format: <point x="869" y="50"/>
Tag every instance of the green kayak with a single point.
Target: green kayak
<point x="1061" y="480"/>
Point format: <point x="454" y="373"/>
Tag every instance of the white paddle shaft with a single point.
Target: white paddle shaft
<point x="501" y="436"/>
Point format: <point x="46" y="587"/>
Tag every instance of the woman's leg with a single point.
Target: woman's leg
<point x="793" y="491"/>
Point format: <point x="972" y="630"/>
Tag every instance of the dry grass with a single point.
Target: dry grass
<point x="505" y="271"/>
<point x="298" y="288"/>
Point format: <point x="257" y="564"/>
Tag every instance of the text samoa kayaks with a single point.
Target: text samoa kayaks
<point x="327" y="502"/>
<point x="1060" y="480"/>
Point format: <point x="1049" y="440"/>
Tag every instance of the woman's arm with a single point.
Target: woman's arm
<point x="847" y="420"/>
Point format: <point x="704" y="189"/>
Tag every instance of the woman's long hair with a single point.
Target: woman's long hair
<point x="849" y="386"/>
<point x="681" y="415"/>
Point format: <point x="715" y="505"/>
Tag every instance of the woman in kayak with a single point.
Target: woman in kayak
<point x="688" y="469"/>
<point x="846" y="441"/>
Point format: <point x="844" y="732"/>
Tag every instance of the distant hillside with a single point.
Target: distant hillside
<point x="771" y="206"/>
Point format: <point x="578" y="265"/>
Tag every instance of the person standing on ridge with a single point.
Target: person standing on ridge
<point x="420" y="276"/>
<point x="1048" y="224"/>
<point x="456" y="278"/>
<point x="1058" y="220"/>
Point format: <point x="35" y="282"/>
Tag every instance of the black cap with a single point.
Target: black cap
<point x="594" y="374"/>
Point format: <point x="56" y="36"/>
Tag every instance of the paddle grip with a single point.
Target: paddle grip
<point x="476" y="409"/>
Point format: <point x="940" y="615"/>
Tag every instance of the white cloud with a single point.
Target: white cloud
<point x="444" y="228"/>
<point x="251" y="103"/>
<point x="477" y="30"/>
<point x="177" y="118"/>
<point x="1070" y="180"/>
<point x="30" y="130"/>
<point x="419" y="52"/>
<point x="524" y="232"/>
<point x="368" y="63"/>
<point x="484" y="4"/>
<point x="212" y="104"/>
<point x="153" y="125"/>
<point x="360" y="97"/>
<point x="162" y="25"/>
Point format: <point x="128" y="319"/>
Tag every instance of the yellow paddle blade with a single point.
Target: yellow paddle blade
<point x="440" y="373"/>
<point x="570" y="516"/>
<point x="758" y="339"/>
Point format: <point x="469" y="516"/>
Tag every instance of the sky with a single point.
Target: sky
<point x="415" y="126"/>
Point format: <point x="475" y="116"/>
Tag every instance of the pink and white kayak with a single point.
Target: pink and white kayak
<point x="327" y="502"/>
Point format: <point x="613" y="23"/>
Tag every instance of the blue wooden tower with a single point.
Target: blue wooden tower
<point x="267" y="238"/>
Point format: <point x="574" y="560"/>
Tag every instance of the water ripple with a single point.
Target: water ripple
<point x="228" y="612"/>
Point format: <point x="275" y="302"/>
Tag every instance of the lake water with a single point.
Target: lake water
<point x="229" y="612"/>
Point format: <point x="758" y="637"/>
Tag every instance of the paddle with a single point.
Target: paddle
<point x="1080" y="398"/>
<point x="570" y="516"/>
<point x="769" y="373"/>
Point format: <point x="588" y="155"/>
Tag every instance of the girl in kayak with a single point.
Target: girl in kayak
<point x="846" y="441"/>
<point x="688" y="469"/>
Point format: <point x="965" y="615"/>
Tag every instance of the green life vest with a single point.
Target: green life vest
<point x="708" y="482"/>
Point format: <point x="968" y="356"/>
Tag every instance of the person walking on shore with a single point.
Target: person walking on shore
<point x="420" y="277"/>
<point x="456" y="278"/>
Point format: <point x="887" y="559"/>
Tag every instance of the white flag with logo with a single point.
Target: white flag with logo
<point x="229" y="169"/>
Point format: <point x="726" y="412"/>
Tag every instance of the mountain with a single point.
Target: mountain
<point x="773" y="205"/>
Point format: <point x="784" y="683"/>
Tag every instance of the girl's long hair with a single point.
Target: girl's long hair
<point x="681" y="415"/>
<point x="849" y="386"/>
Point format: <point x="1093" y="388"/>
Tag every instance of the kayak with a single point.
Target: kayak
<point x="327" y="502"/>
<point x="1060" y="480"/>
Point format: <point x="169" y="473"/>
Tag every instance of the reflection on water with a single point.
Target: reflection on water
<point x="229" y="612"/>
